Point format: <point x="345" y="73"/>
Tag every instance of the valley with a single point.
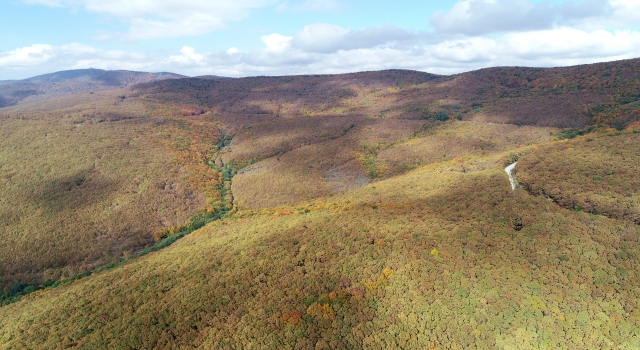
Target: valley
<point x="368" y="210"/>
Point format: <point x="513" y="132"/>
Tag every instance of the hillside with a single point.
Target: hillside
<point x="570" y="97"/>
<point x="49" y="86"/>
<point x="87" y="182"/>
<point x="364" y="210"/>
<point x="318" y="135"/>
<point x="429" y="257"/>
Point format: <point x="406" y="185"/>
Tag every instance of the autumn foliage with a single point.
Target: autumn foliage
<point x="360" y="211"/>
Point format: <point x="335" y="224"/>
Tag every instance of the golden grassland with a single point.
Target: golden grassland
<point x="425" y="259"/>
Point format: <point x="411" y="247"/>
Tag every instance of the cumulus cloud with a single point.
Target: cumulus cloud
<point x="466" y="51"/>
<point x="189" y="57"/>
<point x="571" y="44"/>
<point x="27" y="56"/>
<point x="276" y="42"/>
<point x="477" y="17"/>
<point x="320" y="37"/>
<point x="473" y="34"/>
<point x="165" y="18"/>
<point x="284" y="55"/>
<point x="625" y="13"/>
<point x="552" y="47"/>
<point x="327" y="38"/>
<point x="48" y="58"/>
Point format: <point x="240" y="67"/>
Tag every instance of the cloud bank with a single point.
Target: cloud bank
<point x="473" y="34"/>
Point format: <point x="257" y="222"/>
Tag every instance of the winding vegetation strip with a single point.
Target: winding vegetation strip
<point x="199" y="220"/>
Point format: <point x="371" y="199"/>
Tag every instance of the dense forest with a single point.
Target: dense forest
<point x="360" y="211"/>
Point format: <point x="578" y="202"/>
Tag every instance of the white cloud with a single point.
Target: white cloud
<point x="188" y="56"/>
<point x="477" y="17"/>
<point x="193" y="25"/>
<point x="284" y="55"/>
<point x="466" y="51"/>
<point x="76" y="49"/>
<point x="552" y="47"/>
<point x="48" y="58"/>
<point x="625" y="13"/>
<point x="27" y="56"/>
<point x="473" y="34"/>
<point x="276" y="42"/>
<point x="328" y="38"/>
<point x="570" y="44"/>
<point x="165" y="18"/>
<point x="320" y="37"/>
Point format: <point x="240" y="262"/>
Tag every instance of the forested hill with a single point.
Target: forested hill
<point x="568" y="97"/>
<point x="64" y="83"/>
<point x="354" y="211"/>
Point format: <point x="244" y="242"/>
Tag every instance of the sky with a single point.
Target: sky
<point x="284" y="37"/>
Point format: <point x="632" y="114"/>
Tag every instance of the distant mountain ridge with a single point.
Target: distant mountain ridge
<point x="563" y="97"/>
<point x="63" y="83"/>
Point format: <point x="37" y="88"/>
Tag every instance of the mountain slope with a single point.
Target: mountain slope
<point x="426" y="259"/>
<point x="366" y="121"/>
<point x="568" y="97"/>
<point x="286" y="139"/>
<point x="365" y="210"/>
<point x="48" y="86"/>
<point x="86" y="184"/>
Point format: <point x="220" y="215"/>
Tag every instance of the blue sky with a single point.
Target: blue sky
<point x="276" y="37"/>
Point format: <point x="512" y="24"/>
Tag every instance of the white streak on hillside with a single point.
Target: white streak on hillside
<point x="512" y="178"/>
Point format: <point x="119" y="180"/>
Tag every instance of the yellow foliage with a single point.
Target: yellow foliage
<point x="387" y="272"/>
<point x="240" y="282"/>
<point x="369" y="284"/>
<point x="321" y="310"/>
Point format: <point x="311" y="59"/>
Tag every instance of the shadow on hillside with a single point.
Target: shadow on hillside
<point x="478" y="195"/>
<point x="72" y="192"/>
<point x="4" y="102"/>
